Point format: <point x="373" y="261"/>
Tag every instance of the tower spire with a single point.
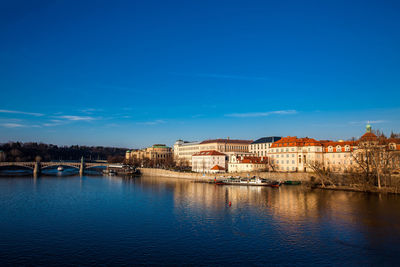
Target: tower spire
<point x="368" y="127"/>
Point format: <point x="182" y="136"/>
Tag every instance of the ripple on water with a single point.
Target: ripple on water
<point x="152" y="220"/>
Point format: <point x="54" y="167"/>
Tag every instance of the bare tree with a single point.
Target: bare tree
<point x="323" y="174"/>
<point x="271" y="165"/>
<point x="376" y="160"/>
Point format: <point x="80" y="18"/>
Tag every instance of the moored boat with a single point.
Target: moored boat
<point x="289" y="182"/>
<point x="248" y="182"/>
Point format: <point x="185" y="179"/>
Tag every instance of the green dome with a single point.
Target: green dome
<point x="369" y="127"/>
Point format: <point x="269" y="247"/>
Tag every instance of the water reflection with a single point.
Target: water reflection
<point x="349" y="219"/>
<point x="154" y="220"/>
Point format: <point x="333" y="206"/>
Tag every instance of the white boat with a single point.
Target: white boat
<point x="60" y="168"/>
<point x="250" y="181"/>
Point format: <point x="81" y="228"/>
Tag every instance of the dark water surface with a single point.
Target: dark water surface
<point x="152" y="220"/>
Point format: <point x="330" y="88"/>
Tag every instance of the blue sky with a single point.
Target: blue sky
<point x="134" y="73"/>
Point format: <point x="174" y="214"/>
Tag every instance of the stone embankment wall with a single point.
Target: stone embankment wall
<point x="298" y="176"/>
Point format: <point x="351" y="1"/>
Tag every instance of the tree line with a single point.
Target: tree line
<point x="31" y="151"/>
<point x="376" y="166"/>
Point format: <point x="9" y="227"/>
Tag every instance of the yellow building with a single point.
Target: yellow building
<point x="291" y="154"/>
<point x="156" y="153"/>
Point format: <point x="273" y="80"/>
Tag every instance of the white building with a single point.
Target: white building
<point x="260" y="146"/>
<point x="338" y="156"/>
<point x="247" y="163"/>
<point x="209" y="161"/>
<point x="184" y="150"/>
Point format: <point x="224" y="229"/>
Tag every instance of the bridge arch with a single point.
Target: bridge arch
<point x="47" y="166"/>
<point x="18" y="164"/>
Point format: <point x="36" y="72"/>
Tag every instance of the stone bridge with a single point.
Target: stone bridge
<point x="38" y="166"/>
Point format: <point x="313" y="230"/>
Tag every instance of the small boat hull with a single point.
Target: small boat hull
<point x="292" y="182"/>
<point x="249" y="182"/>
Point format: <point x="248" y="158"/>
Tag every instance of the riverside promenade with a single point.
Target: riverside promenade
<point x="299" y="176"/>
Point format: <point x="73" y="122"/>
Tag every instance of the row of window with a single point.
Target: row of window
<point x="283" y="161"/>
<point x="260" y="146"/>
<point x="308" y="149"/>
<point x="339" y="162"/>
<point x="339" y="149"/>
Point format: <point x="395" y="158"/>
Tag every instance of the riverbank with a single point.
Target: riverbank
<point x="302" y="177"/>
<point x="305" y="178"/>
<point x="374" y="190"/>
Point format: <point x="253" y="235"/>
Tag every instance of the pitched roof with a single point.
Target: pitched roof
<point x="368" y="136"/>
<point x="294" y="141"/>
<point x="254" y="160"/>
<point x="394" y="140"/>
<point x="342" y="144"/>
<point x="217" y="168"/>
<point x="227" y="141"/>
<point x="208" y="153"/>
<point x="269" y="139"/>
<point x="160" y="146"/>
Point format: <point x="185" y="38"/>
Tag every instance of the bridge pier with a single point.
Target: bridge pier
<point x="37" y="169"/>
<point x="82" y="167"/>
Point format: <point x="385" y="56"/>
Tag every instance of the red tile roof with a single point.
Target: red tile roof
<point x="294" y="141"/>
<point x="255" y="160"/>
<point x="209" y="153"/>
<point x="227" y="141"/>
<point x="368" y="137"/>
<point x="394" y="140"/>
<point x="217" y="168"/>
<point x="342" y="145"/>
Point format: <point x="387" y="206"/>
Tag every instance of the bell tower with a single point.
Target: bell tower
<point x="368" y="127"/>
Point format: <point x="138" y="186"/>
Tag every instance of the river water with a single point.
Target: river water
<point x="154" y="220"/>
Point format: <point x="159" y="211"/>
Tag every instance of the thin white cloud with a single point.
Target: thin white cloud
<point x="53" y="123"/>
<point x="91" y="110"/>
<point x="365" y="122"/>
<point x="155" y="122"/>
<point x="262" y="114"/>
<point x="12" y="125"/>
<point x="77" y="118"/>
<point x="21" y="112"/>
